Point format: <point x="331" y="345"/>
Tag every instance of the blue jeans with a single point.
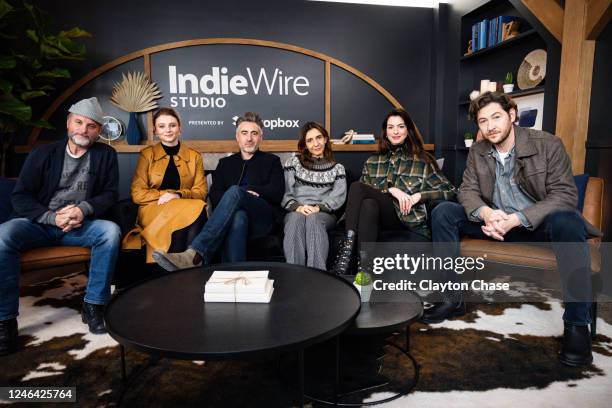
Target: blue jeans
<point x="238" y="215"/>
<point x="449" y="223"/>
<point x="21" y="234"/>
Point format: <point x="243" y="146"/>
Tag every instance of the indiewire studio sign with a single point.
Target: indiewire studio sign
<point x="210" y="86"/>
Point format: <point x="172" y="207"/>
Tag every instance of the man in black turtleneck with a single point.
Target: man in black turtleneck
<point x="246" y="192"/>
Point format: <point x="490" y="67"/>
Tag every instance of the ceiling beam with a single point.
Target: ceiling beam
<point x="575" y="78"/>
<point x="550" y="14"/>
<point x="598" y="15"/>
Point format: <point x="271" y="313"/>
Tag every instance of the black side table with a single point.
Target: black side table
<point x="396" y="312"/>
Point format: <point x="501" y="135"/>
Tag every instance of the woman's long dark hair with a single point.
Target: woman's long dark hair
<point x="305" y="156"/>
<point x="412" y="144"/>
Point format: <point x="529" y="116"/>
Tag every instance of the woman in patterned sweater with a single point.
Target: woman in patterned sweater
<point x="395" y="185"/>
<point x="315" y="187"/>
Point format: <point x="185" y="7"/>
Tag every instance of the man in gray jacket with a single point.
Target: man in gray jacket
<point x="518" y="186"/>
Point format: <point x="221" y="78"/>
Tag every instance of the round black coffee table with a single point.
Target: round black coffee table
<point x="167" y="316"/>
<point x="386" y="312"/>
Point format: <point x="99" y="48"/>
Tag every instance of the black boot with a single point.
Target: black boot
<point x="93" y="315"/>
<point x="8" y="336"/>
<point x="576" y="349"/>
<point x="345" y="254"/>
<point x="442" y="311"/>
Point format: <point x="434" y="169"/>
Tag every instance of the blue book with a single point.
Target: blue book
<point x="482" y="34"/>
<point x="492" y="37"/>
<point x="475" y="37"/>
<point x="501" y="20"/>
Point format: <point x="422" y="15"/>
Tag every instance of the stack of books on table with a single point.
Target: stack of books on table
<point x="363" y="139"/>
<point x="239" y="286"/>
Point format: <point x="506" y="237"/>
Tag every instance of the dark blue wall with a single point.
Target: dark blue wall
<point x="392" y="45"/>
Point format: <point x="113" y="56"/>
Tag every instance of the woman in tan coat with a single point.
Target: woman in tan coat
<point x="170" y="188"/>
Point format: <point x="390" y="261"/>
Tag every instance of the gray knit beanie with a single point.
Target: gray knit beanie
<point x="89" y="108"/>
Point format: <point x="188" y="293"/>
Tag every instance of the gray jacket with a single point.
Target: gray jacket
<point x="543" y="171"/>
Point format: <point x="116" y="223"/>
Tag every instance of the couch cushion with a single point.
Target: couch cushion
<point x="593" y="202"/>
<point x="48" y="257"/>
<point x="519" y="254"/>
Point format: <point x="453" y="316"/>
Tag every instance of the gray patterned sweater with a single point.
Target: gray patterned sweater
<point x="323" y="185"/>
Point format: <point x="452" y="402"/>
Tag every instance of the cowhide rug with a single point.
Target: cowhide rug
<point x="498" y="355"/>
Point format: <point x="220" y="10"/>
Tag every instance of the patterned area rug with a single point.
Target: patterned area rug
<point x="498" y="355"/>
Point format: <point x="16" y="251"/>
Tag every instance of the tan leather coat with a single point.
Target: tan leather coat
<point x="156" y="223"/>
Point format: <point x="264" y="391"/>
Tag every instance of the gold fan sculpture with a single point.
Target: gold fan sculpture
<point x="136" y="93"/>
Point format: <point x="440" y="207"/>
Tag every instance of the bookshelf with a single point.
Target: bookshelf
<point x="512" y="41"/>
<point x="495" y="61"/>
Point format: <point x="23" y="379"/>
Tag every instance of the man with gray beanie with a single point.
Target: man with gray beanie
<point x="62" y="190"/>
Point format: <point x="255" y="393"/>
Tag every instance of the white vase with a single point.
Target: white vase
<point x="468" y="142"/>
<point x="365" y="291"/>
<point x="508" y="88"/>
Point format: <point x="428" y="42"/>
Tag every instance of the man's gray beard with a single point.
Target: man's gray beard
<point x="85" y="146"/>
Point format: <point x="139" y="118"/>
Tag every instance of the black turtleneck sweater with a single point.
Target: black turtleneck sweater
<point x="172" y="180"/>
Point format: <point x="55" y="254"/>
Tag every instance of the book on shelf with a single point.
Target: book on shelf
<point x="492" y="37"/>
<point x="482" y="34"/>
<point x="363" y="139"/>
<point x="488" y="33"/>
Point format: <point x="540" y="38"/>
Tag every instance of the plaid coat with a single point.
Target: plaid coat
<point x="411" y="174"/>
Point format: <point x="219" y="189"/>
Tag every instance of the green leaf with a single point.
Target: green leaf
<point x="50" y="52"/>
<point x="15" y="108"/>
<point x="54" y="73"/>
<point x="5" y="86"/>
<point x="32" y="94"/>
<point x="74" y="32"/>
<point x="32" y="35"/>
<point x="30" y="9"/>
<point x="7" y="62"/>
<point x="26" y="81"/>
<point x="41" y="123"/>
<point x="71" y="47"/>
<point x="5" y="8"/>
<point x="363" y="278"/>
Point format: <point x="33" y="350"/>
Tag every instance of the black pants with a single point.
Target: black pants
<point x="183" y="237"/>
<point x="368" y="211"/>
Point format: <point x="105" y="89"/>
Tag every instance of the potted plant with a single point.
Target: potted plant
<point x="363" y="283"/>
<point x="136" y="93"/>
<point x="468" y="138"/>
<point x="508" y="83"/>
<point x="32" y="67"/>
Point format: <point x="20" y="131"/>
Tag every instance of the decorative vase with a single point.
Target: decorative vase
<point x="133" y="134"/>
<point x="468" y="142"/>
<point x="508" y="88"/>
<point x="364" y="291"/>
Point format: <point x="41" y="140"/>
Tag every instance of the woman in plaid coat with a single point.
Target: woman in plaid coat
<point x="394" y="187"/>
